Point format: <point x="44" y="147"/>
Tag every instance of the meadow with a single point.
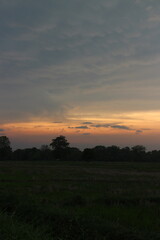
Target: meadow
<point x="63" y="200"/>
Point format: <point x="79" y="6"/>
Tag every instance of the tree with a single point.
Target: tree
<point x="46" y="153"/>
<point x="138" y="149"/>
<point x="99" y="153"/>
<point x="44" y="147"/>
<point x="4" y="142"/>
<point x="60" y="146"/>
<point x="138" y="152"/>
<point x="88" y="154"/>
<point x="113" y="153"/>
<point x="59" y="143"/>
<point x="125" y="154"/>
<point x="74" y="154"/>
<point x="5" y="148"/>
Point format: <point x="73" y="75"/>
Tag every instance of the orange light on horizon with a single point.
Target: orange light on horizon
<point x="131" y="123"/>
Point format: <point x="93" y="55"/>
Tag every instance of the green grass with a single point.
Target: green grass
<point x="79" y="200"/>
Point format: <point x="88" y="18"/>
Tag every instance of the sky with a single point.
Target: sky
<point x="88" y="70"/>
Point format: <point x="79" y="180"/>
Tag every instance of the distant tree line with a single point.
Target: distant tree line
<point x="59" y="149"/>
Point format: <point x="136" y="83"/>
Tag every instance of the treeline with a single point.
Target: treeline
<point x="59" y="149"/>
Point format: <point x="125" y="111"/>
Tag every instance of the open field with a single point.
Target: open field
<point x="79" y="200"/>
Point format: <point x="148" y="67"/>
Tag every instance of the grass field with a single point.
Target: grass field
<point x="79" y="200"/>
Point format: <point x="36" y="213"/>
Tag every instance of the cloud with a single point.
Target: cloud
<point x="82" y="127"/>
<point x="139" y="131"/>
<point x="87" y="123"/>
<point x="102" y="56"/>
<point x="101" y="125"/>
<point x="79" y="127"/>
<point x="123" y="127"/>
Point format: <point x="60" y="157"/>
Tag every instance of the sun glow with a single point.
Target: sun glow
<point x="137" y="122"/>
<point x="119" y="129"/>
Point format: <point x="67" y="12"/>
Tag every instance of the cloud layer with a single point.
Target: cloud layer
<point x="65" y="60"/>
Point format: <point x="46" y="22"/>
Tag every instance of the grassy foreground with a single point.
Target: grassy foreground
<point x="79" y="200"/>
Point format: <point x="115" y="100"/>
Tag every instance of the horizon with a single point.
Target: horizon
<point x="21" y="144"/>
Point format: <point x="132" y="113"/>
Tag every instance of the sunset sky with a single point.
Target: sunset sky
<point x="85" y="69"/>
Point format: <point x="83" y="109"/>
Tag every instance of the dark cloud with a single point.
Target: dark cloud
<point x="121" y="127"/>
<point x="112" y="126"/>
<point x="87" y="123"/>
<point x="101" y="125"/>
<point x="79" y="127"/>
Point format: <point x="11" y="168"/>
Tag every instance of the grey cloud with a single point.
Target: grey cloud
<point x="67" y="53"/>
<point x="83" y="127"/>
<point x="101" y="125"/>
<point x="112" y="126"/>
<point x="80" y="127"/>
<point x="121" y="127"/>
<point x="87" y="123"/>
<point x="27" y="102"/>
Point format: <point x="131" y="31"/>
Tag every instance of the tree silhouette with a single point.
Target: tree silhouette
<point x="138" y="149"/>
<point x="5" y="148"/>
<point x="59" y="143"/>
<point x="88" y="154"/>
<point x="4" y="142"/>
<point x="138" y="152"/>
<point x="60" y="146"/>
<point x="99" y="153"/>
